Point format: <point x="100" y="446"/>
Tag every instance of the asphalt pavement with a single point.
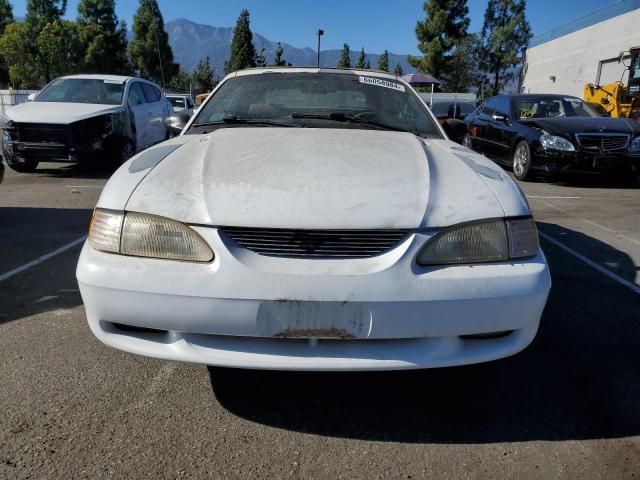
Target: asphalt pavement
<point x="566" y="407"/>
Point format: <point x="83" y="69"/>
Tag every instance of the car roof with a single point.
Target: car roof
<point x="537" y="95"/>
<point x="112" y="78"/>
<point x="353" y="71"/>
<point x="451" y="101"/>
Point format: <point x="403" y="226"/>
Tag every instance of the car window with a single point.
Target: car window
<point x="177" y="101"/>
<point x="294" y="97"/>
<point x="151" y="93"/>
<point x="503" y="106"/>
<point x="136" y="97"/>
<point x="552" y="107"/>
<point x="489" y="107"/>
<point x="440" y="108"/>
<point x="83" y="90"/>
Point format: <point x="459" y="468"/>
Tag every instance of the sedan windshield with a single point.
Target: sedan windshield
<point x="83" y="90"/>
<point x="554" y="107"/>
<point x="318" y="100"/>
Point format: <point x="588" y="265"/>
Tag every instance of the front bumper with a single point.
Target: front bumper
<point x="587" y="162"/>
<point x="246" y="310"/>
<point x="53" y="152"/>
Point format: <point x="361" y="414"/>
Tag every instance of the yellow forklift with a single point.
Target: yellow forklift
<point x="617" y="99"/>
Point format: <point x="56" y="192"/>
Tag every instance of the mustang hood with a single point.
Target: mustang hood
<point x="310" y="178"/>
<point x="57" y="112"/>
<point x="572" y="125"/>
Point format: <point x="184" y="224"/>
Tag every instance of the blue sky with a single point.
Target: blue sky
<point x="375" y="25"/>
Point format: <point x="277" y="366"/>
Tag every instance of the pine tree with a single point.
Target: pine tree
<point x="505" y="34"/>
<point x="39" y="14"/>
<point x="203" y="80"/>
<point x="149" y="51"/>
<point x="367" y="66"/>
<point x="6" y="17"/>
<point x="362" y="60"/>
<point x="181" y="82"/>
<point x="103" y="37"/>
<point x="278" y="61"/>
<point x="345" y="59"/>
<point x="398" y="70"/>
<point x="383" y="62"/>
<point x="445" y="25"/>
<point x="261" y="59"/>
<point x="243" y="53"/>
<point x="463" y="71"/>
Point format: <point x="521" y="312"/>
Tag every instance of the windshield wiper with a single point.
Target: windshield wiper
<point x="233" y="120"/>
<point x="341" y="117"/>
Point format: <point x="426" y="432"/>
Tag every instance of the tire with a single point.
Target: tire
<point x="123" y="152"/>
<point x="28" y="166"/>
<point x="521" y="161"/>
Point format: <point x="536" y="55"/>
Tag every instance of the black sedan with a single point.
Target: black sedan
<point x="553" y="133"/>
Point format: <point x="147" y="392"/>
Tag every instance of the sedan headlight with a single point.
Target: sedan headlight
<point x="554" y="142"/>
<point x="145" y="235"/>
<point x="635" y="145"/>
<point x="480" y="242"/>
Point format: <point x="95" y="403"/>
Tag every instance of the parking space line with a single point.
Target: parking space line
<point x="591" y="263"/>
<point x="589" y="222"/>
<point x="43" y="258"/>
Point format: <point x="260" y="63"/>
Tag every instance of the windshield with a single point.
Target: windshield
<point x="178" y="102"/>
<point x="83" y="90"/>
<point x="634" y="69"/>
<point x="318" y="100"/>
<point x="554" y="107"/>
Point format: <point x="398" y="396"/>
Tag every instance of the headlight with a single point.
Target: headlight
<point x="556" y="143"/>
<point x="487" y="241"/>
<point x="635" y="145"/>
<point x="144" y="235"/>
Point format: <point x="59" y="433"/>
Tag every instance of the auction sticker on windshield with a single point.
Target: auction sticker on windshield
<point x="379" y="82"/>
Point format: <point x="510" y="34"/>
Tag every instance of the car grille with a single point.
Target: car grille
<point x="315" y="243"/>
<point x="42" y="133"/>
<point x="609" y="142"/>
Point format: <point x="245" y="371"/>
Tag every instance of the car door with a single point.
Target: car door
<point x="478" y="127"/>
<point x="139" y="111"/>
<point x="500" y="130"/>
<point x="156" y="112"/>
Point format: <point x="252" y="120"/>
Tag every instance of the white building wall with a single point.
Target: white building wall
<point x="573" y="59"/>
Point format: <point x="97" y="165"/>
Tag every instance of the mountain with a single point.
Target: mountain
<point x="191" y="41"/>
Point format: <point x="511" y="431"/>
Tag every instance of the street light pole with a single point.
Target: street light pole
<point x="319" y="33"/>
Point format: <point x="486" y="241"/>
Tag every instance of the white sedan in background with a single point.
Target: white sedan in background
<point x="313" y="219"/>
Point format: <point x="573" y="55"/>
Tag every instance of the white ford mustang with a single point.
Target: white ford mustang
<point x="313" y="219"/>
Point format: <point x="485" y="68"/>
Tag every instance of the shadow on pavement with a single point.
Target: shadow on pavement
<point x="88" y="170"/>
<point x="588" y="181"/>
<point x="580" y="379"/>
<point x="27" y="234"/>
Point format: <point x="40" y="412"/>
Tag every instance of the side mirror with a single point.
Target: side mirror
<point x="31" y="97"/>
